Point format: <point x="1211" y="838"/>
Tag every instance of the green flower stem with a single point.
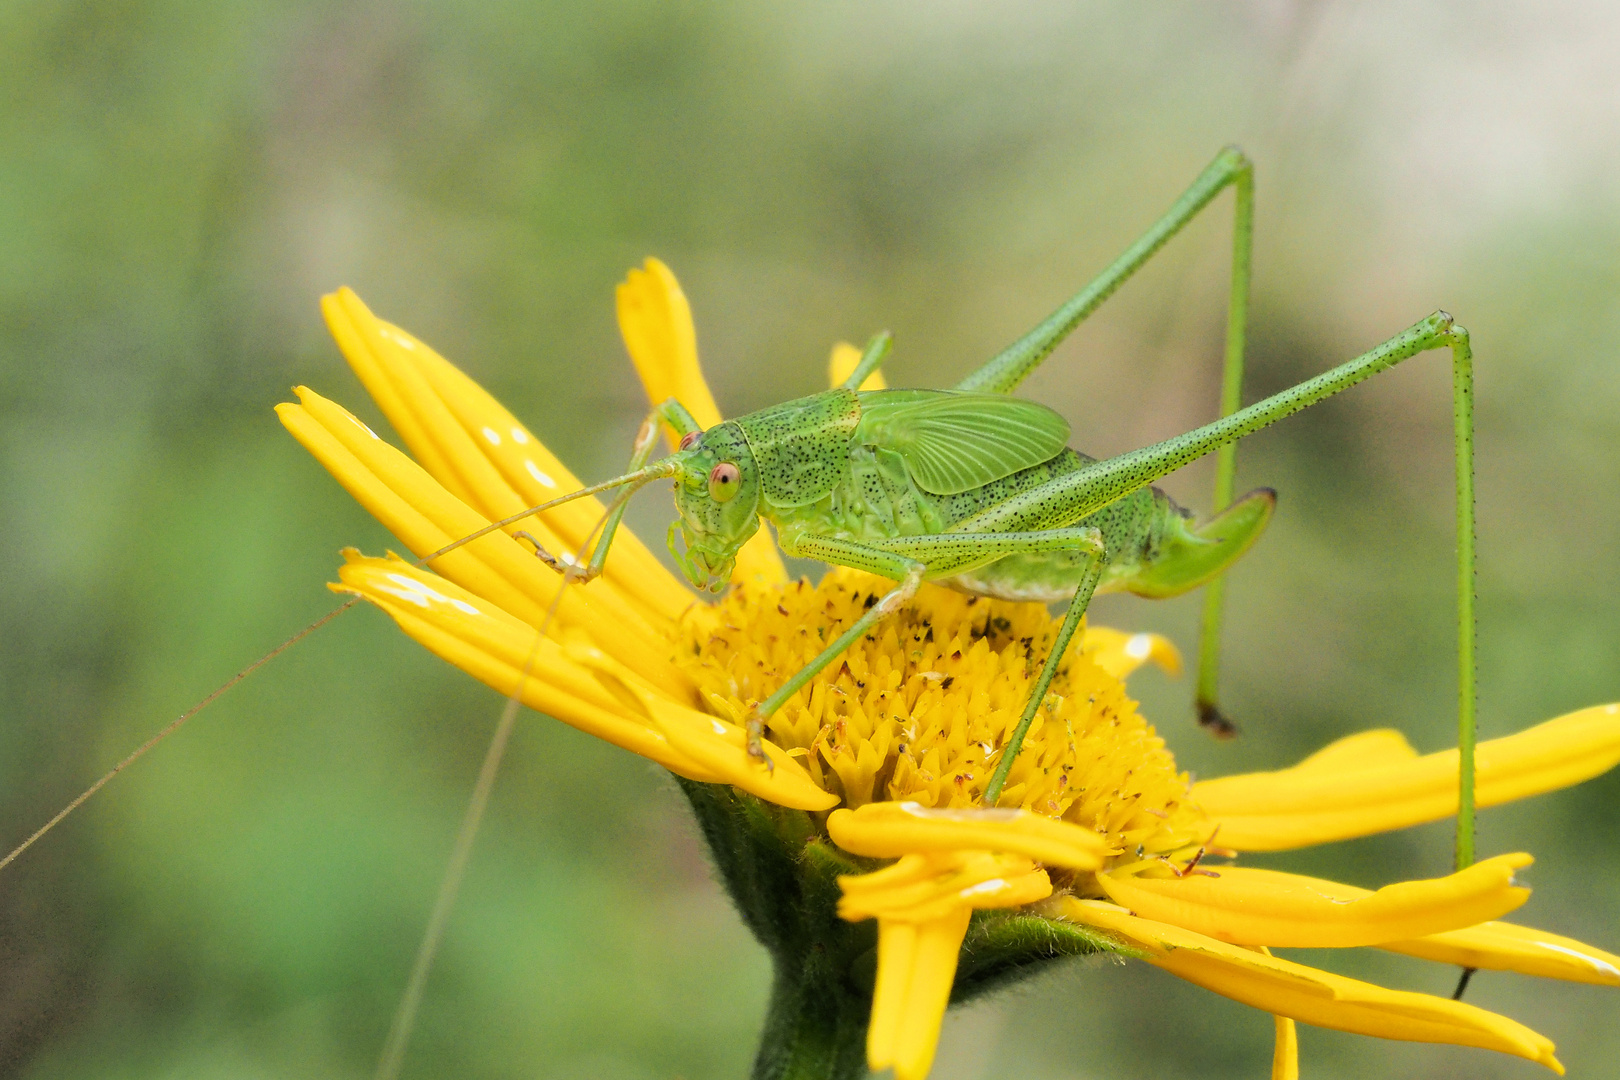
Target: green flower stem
<point x="815" y="1028"/>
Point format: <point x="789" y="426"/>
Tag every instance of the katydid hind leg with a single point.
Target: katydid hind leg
<point x="1014" y="364"/>
<point x="1206" y="698"/>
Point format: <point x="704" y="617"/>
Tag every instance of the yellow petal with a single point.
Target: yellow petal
<point x="1248" y="906"/>
<point x="383" y="360"/>
<point x="1500" y="946"/>
<point x="1285" y="1058"/>
<point x="1375" y="790"/>
<point x="1380" y="746"/>
<point x="495" y="647"/>
<point x="656" y="322"/>
<point x="1311" y="996"/>
<point x="426" y="517"/>
<point x="920" y="888"/>
<point x="716" y="746"/>
<point x="1119" y="653"/>
<point x="896" y="959"/>
<point x="916" y="966"/>
<point x="841" y="365"/>
<point x="476" y="448"/>
<point x="887" y="830"/>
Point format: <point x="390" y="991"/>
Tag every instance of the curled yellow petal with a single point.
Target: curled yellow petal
<point x="656" y="323"/>
<point x="887" y="830"/>
<point x="920" y="888"/>
<point x="1248" y="906"/>
<point x="1120" y="653"/>
<point x="1379" y="788"/>
<point x="916" y="966"/>
<point x="472" y="445"/>
<point x="842" y="363"/>
<point x="922" y="904"/>
<point x="426" y="517"/>
<point x="496" y="648"/>
<point x="716" y="746"/>
<point x="1500" y="946"/>
<point x="1310" y="996"/>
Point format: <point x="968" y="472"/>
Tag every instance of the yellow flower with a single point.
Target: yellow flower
<point x="1098" y="838"/>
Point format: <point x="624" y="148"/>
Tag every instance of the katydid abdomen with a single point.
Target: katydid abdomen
<point x="1153" y="548"/>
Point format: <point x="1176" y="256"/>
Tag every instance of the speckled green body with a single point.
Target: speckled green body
<point x="825" y="470"/>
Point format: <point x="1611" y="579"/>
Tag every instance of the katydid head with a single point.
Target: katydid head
<point x="717" y="495"/>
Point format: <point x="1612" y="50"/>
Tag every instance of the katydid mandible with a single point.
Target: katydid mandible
<point x="978" y="491"/>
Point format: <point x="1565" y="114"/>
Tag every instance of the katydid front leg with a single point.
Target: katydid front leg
<point x="908" y="572"/>
<point x="674" y="414"/>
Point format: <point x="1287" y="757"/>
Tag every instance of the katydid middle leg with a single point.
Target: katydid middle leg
<point x="1014" y="364"/>
<point x="907" y="560"/>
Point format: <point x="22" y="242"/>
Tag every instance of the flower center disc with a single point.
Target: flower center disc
<point x="920" y="708"/>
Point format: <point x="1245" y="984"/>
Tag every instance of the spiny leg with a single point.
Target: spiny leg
<point x="904" y="559"/>
<point x="1207" y="697"/>
<point x="877" y="351"/>
<point x="1070" y="497"/>
<point x="908" y="572"/>
<point x="1037" y="693"/>
<point x="1009" y="368"/>
<point x="1462" y="427"/>
<point x="1015" y="363"/>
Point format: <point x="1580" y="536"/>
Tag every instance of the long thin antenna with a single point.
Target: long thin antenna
<point x="640" y="476"/>
<point x="410" y="1003"/>
<point x="399" y="1033"/>
<point x="173" y="726"/>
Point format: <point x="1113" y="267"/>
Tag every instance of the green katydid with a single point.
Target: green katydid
<point x="978" y="491"/>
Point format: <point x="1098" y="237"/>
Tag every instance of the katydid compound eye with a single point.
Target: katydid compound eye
<point x="689" y="438"/>
<point x="723" y="481"/>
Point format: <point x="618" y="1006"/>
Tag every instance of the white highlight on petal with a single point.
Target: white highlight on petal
<point x="519" y="436"/>
<point x="1600" y="965"/>
<point x="493" y="436"/>
<point x="1140" y="647"/>
<point x="364" y="428"/>
<point x="994" y="885"/>
<point x="540" y="477"/>
<point x="421" y="594"/>
<point x="397" y="338"/>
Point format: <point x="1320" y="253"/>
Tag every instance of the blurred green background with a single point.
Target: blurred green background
<point x="180" y="182"/>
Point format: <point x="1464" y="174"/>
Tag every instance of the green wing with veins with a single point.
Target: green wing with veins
<point x="952" y="441"/>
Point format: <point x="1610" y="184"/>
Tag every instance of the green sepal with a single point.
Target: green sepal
<point x="782" y="874"/>
<point x="1003" y="947"/>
